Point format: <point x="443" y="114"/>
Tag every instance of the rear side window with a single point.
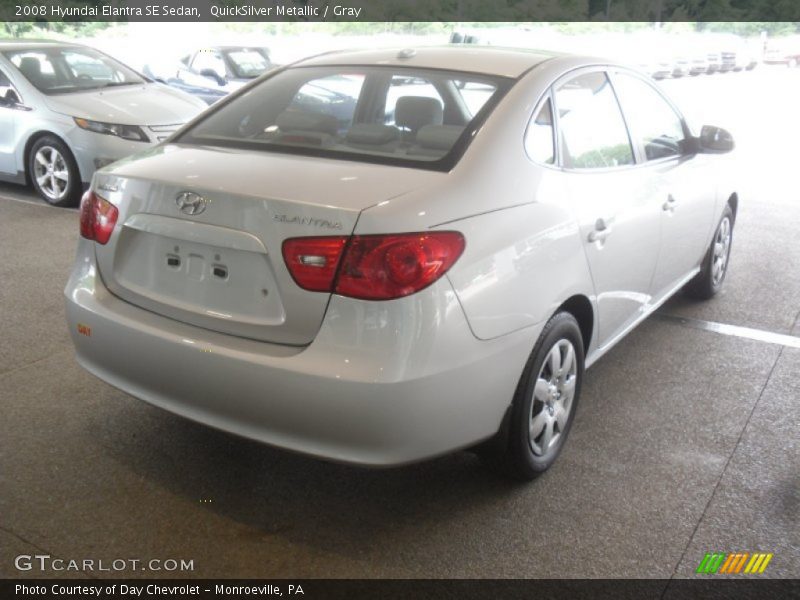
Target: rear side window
<point x="652" y="120"/>
<point x="539" y="142"/>
<point x="591" y="129"/>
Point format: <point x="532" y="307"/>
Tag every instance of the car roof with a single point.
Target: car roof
<point x="25" y="44"/>
<point x="486" y="60"/>
<point x="235" y="46"/>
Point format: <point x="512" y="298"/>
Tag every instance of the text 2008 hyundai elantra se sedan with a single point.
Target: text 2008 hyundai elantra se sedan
<point x="378" y="257"/>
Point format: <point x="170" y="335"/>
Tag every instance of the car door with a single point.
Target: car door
<point x="679" y="180"/>
<point x="619" y="223"/>
<point x="8" y="127"/>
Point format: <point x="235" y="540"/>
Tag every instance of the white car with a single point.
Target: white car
<point x="419" y="275"/>
<point x="67" y="110"/>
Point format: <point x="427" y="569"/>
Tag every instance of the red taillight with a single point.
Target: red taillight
<point x="373" y="267"/>
<point x="98" y="218"/>
<point x="312" y="261"/>
<point x="382" y="267"/>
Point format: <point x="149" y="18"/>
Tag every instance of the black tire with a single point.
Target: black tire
<point x="520" y="460"/>
<point x="706" y="284"/>
<point x="71" y="193"/>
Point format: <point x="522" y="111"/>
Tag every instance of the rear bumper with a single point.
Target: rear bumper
<point x="383" y="383"/>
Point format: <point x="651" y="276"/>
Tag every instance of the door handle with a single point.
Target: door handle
<point x="669" y="205"/>
<point x="602" y="229"/>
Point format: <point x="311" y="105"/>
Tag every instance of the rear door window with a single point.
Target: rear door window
<point x="592" y="131"/>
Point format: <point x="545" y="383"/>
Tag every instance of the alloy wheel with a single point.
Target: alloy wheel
<point x="722" y="245"/>
<point x="51" y="173"/>
<point x="553" y="394"/>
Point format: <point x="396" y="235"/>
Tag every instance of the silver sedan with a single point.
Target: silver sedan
<point x="67" y="110"/>
<point x="378" y="257"/>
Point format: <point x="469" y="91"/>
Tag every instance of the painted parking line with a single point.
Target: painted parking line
<point x="760" y="335"/>
<point x="39" y="203"/>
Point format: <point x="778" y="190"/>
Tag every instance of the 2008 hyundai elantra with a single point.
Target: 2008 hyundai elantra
<point x="378" y="257"/>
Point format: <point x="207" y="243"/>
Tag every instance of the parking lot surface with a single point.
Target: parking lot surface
<point x="686" y="440"/>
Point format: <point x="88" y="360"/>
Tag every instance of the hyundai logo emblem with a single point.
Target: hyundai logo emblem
<point x="190" y="203"/>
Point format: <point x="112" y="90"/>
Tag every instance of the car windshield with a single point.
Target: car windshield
<point x="248" y="63"/>
<point x="392" y="115"/>
<point x="61" y="70"/>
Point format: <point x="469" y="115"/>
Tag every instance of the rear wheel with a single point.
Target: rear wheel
<point x="546" y="399"/>
<point x="54" y="172"/>
<point x="712" y="273"/>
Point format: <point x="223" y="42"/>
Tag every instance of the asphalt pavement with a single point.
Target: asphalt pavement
<point x="686" y="441"/>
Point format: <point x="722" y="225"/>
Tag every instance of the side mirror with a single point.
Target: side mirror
<point x="715" y="140"/>
<point x="11" y="98"/>
<point x="212" y="74"/>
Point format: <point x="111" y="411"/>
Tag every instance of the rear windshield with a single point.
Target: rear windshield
<point x="62" y="70"/>
<point x="389" y="115"/>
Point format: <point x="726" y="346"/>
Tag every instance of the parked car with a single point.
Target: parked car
<point x="783" y="51"/>
<point x="714" y="63"/>
<point x="230" y="67"/>
<point x="176" y="74"/>
<point x="661" y="68"/>
<point x="753" y="54"/>
<point x="699" y="66"/>
<point x="67" y="110"/>
<point x="727" y="62"/>
<point x="407" y="286"/>
<point x="681" y="66"/>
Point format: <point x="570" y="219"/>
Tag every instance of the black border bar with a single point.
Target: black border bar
<point x="707" y="587"/>
<point x="400" y="10"/>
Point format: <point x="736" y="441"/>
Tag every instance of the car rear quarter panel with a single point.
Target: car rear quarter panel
<point x="523" y="255"/>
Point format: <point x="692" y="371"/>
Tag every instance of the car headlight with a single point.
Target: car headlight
<point x="126" y="132"/>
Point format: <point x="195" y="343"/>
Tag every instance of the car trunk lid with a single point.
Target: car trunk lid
<point x="217" y="263"/>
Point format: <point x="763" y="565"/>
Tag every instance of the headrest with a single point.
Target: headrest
<point x="299" y="120"/>
<point x="30" y="66"/>
<point x="414" y="112"/>
<point x="372" y="133"/>
<point x="439" y="137"/>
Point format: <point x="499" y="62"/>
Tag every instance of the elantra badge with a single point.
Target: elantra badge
<point x="190" y="203"/>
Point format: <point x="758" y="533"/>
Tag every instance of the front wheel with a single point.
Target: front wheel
<point x="546" y="399"/>
<point x="712" y="273"/>
<point x="54" y="172"/>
